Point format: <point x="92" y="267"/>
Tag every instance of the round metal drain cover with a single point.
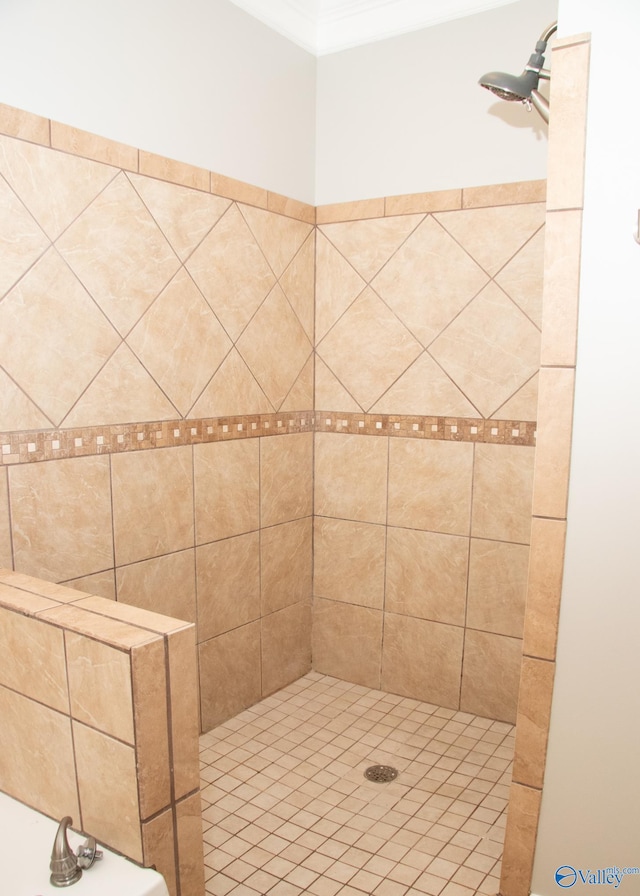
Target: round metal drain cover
<point x="381" y="774"/>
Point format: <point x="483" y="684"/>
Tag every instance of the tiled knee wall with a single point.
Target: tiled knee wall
<point x="99" y="722"/>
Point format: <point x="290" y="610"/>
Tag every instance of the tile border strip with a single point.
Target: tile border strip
<point x="31" y="446"/>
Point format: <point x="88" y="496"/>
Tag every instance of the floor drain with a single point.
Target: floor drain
<point x="381" y="773"/>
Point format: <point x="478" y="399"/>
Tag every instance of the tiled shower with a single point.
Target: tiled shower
<point x="314" y="442"/>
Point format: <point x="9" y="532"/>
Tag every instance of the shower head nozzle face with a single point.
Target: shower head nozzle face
<point x="513" y="88"/>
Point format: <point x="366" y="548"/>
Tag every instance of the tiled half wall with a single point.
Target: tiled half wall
<point x="165" y="336"/>
<point x="99" y="722"/>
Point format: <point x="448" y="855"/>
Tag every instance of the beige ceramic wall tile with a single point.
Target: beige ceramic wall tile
<point x="286" y="646"/>
<point x="158" y="845"/>
<point x="151" y="714"/>
<point x="485" y="690"/>
<point x="108" y="789"/>
<point x="286" y="558"/>
<point x="101" y="583"/>
<point x="21" y="240"/>
<point x="123" y="392"/>
<point x="523" y="405"/>
<point x="18" y="123"/>
<point x="227" y="489"/>
<point x="228" y="584"/>
<point x="190" y="851"/>
<point x="81" y="143"/>
<point x="347" y="642"/>
<point x="33" y="660"/>
<point x="425" y="389"/>
<point x="422" y="660"/>
<point x="136" y="626"/>
<point x="231" y="272"/>
<point x="509" y="226"/>
<point x="101" y="626"/>
<point x="349" y="562"/>
<point x="350" y="211"/>
<point x="300" y="397"/>
<point x="279" y="237"/>
<point x="61" y="517"/>
<point x="51" y="309"/>
<point x="505" y="194"/>
<point x="520" y="840"/>
<point x="430" y="485"/>
<point x="411" y="203"/>
<point x="41" y="773"/>
<point x="497" y="587"/>
<point x="532" y="727"/>
<point x="284" y="205"/>
<point x="429" y="263"/>
<point x="185" y="723"/>
<point x="233" y="390"/>
<point x="100" y="686"/>
<point x="337" y="285"/>
<point x="176" y="172"/>
<point x="553" y="444"/>
<point x="19" y="601"/>
<point x="561" y="286"/>
<point x="238" y="190"/>
<point x="165" y="585"/>
<point x="368" y="349"/>
<point x="330" y="393"/>
<point x="368" y="245"/>
<point x="152" y="503"/>
<point x="185" y="216"/>
<point x="180" y="342"/>
<point x="502" y="486"/>
<point x="286" y="478"/>
<point x="351" y="477"/>
<point x="119" y="254"/>
<point x="55" y="187"/>
<point x="490" y="350"/>
<point x="298" y="283"/>
<point x="17" y="410"/>
<point x="565" y="176"/>
<point x="229" y="674"/>
<point x="426" y="575"/>
<point x="544" y="587"/>
<point x="522" y="277"/>
<point x="275" y="347"/>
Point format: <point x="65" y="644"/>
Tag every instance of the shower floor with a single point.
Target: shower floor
<point x="287" y="810"/>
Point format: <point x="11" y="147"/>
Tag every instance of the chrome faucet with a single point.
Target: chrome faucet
<point x="65" y="866"/>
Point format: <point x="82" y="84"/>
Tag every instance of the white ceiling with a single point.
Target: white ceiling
<point x="326" y="26"/>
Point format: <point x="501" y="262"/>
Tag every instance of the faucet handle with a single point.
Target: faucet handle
<point x="63" y="865"/>
<point x="88" y="853"/>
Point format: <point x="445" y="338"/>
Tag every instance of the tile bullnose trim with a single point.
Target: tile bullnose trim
<point x="33" y="446"/>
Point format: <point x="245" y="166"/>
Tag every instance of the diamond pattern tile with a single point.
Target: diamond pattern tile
<point x="522" y="277"/>
<point x="185" y="216"/>
<point x="54" y="186"/>
<point x="164" y="340"/>
<point x="21" y="239"/>
<point x="510" y="227"/>
<point x="17" y="411"/>
<point x="368" y="349"/>
<point x="232" y="273"/>
<point x="275" y="347"/>
<point x="337" y="285"/>
<point x="425" y="385"/>
<point x="490" y="349"/>
<point x="119" y="254"/>
<point x="49" y="309"/>
<point x="367" y="245"/>
<point x="429" y="280"/>
<point x="298" y="285"/>
<point x="279" y="238"/>
<point x="232" y="390"/>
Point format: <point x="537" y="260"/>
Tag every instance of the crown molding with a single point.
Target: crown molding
<point x="328" y="26"/>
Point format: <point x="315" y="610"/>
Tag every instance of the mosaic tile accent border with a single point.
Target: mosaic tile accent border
<point x="29" y="446"/>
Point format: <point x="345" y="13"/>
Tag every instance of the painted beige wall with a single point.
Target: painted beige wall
<point x="590" y="812"/>
<point x="406" y="115"/>
<point x="200" y="81"/>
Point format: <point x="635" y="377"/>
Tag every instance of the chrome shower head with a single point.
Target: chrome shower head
<point x="524" y="88"/>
